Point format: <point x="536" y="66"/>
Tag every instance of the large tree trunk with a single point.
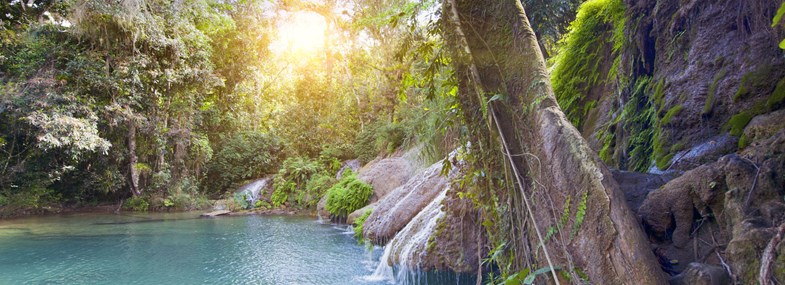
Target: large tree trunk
<point x="133" y="159"/>
<point x="495" y="51"/>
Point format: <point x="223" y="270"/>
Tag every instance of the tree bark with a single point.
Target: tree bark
<point x="133" y="184"/>
<point x="495" y="52"/>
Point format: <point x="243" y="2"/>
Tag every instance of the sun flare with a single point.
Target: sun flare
<point x="302" y="33"/>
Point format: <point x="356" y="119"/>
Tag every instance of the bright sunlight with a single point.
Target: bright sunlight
<point x="301" y="33"/>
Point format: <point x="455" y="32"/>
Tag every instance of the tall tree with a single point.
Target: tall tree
<point x="506" y="97"/>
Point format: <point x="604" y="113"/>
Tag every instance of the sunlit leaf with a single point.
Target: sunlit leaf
<point x="778" y="17"/>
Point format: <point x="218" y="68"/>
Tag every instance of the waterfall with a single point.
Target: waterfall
<point x="409" y="245"/>
<point x="252" y="191"/>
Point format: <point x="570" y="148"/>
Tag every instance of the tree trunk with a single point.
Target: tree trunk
<point x="495" y="52"/>
<point x="133" y="159"/>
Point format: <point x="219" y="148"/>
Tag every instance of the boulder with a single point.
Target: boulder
<point x="385" y="175"/>
<point x="702" y="274"/>
<point x="636" y="186"/>
<point x="396" y="209"/>
<point x="321" y="208"/>
<point x="734" y="203"/>
<point x="356" y="214"/>
<point x="764" y="126"/>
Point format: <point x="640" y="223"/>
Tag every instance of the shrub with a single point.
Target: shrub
<point x="242" y="157"/>
<point x="349" y="195"/>
<point x="290" y="182"/>
<point x="358" y="224"/>
<point x="137" y="203"/>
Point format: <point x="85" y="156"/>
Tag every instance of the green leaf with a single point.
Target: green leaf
<point x="782" y="44"/>
<point x="530" y="278"/>
<point x="496" y="97"/>
<point x="778" y="16"/>
<point x="515" y="279"/>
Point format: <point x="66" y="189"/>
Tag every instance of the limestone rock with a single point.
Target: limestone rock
<point x="764" y="126"/>
<point x="396" y="209"/>
<point x="385" y="175"/>
<point x="356" y="214"/>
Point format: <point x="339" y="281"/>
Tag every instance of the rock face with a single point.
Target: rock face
<point x="737" y="200"/>
<point x="702" y="72"/>
<point x="396" y="209"/>
<point x="636" y="186"/>
<point x="385" y="175"/>
<point x="445" y="235"/>
<point x="459" y="241"/>
<point x="352" y="165"/>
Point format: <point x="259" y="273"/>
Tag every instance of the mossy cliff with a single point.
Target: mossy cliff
<point x="695" y="89"/>
<point x="645" y="91"/>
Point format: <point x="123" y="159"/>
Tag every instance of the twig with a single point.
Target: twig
<point x="764" y="276"/>
<point x="727" y="268"/>
<point x="754" y="181"/>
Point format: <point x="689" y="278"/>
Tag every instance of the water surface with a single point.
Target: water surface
<point x="179" y="249"/>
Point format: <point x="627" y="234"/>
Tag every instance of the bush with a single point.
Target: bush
<point x="242" y="157"/>
<point x="137" y="203"/>
<point x="290" y="182"/>
<point x="349" y="195"/>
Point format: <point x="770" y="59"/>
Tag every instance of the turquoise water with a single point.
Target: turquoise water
<point x="179" y="249"/>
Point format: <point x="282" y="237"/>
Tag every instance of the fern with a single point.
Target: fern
<point x="580" y="214"/>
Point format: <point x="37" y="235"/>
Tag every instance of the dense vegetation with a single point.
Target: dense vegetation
<point x="174" y="102"/>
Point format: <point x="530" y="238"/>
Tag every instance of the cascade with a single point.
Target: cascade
<point x="407" y="247"/>
<point x="252" y="190"/>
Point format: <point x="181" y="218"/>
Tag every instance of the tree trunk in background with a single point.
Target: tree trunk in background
<point x="495" y="51"/>
<point x="133" y="159"/>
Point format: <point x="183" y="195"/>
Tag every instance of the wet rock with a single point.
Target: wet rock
<point x="356" y="214"/>
<point x="396" y="209"/>
<point x="706" y="152"/>
<point x="459" y="241"/>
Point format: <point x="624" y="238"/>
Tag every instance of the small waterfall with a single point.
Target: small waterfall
<point x="406" y="249"/>
<point x="252" y="191"/>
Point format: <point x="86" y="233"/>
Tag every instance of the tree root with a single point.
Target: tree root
<point x="768" y="257"/>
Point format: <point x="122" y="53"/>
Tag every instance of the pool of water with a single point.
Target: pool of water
<point x="180" y="249"/>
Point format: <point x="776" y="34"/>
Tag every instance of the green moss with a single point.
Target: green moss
<point x="598" y="26"/>
<point x="737" y="123"/>
<point x="778" y="96"/>
<point x="709" y="105"/>
<point x="669" y="115"/>
<point x="753" y="80"/>
<point x="606" y="152"/>
<point x="664" y="162"/>
<point x="744" y="141"/>
<point x="659" y="94"/>
<point x="660" y="150"/>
